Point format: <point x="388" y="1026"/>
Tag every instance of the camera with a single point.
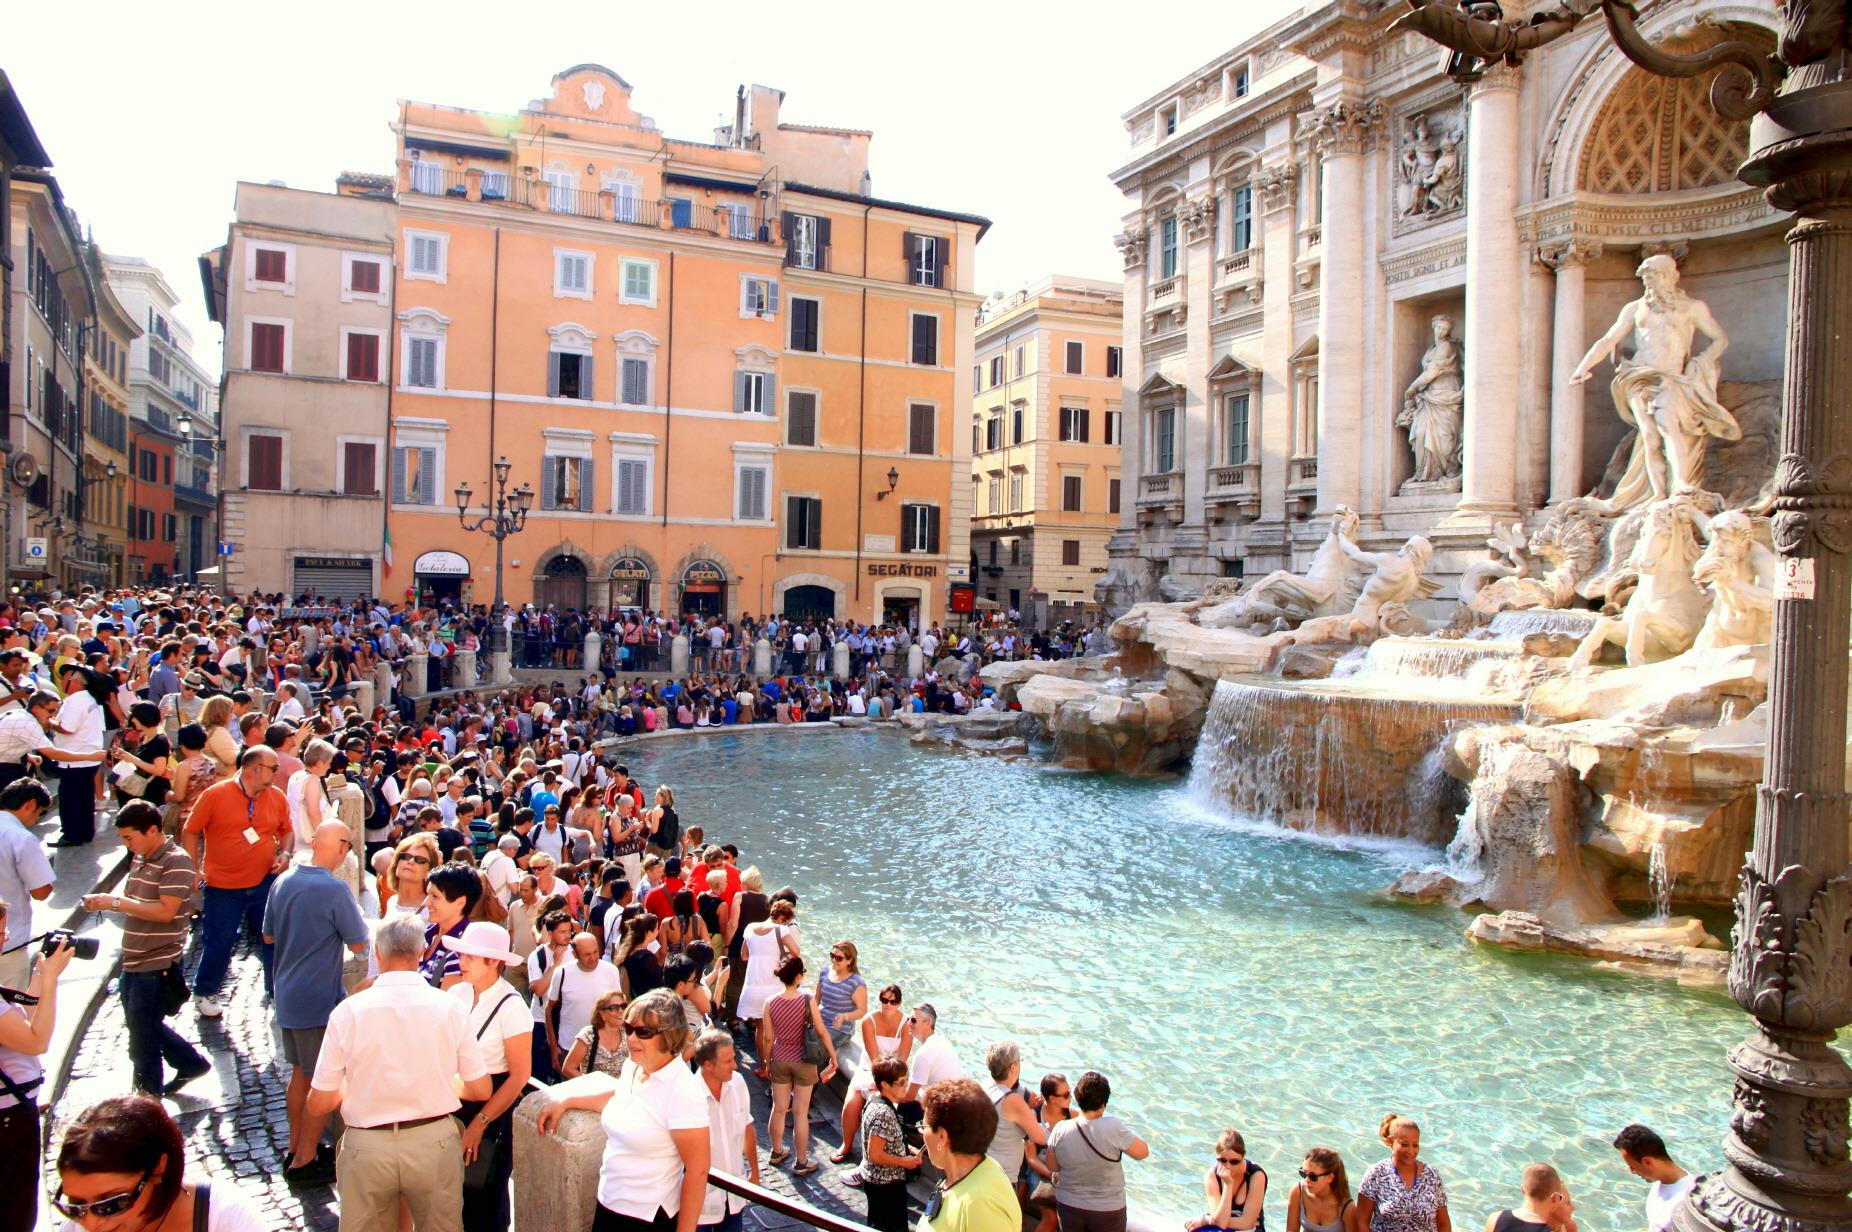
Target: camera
<point x="82" y="947"/>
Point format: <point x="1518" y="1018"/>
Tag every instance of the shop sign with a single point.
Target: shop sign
<point x="630" y="569"/>
<point x="889" y="569"/>
<point x="704" y="572"/>
<point x="441" y="564"/>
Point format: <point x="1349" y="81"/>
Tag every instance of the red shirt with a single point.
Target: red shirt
<point x="660" y="902"/>
<point x="222" y="815"/>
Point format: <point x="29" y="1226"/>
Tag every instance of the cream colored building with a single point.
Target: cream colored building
<point x="1045" y="431"/>
<point x="303" y="288"/>
<point x="1301" y="208"/>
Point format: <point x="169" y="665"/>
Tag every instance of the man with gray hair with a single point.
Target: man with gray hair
<point x="402" y="1140"/>
<point x="932" y="1059"/>
<point x="730" y="1140"/>
<point x="499" y="869"/>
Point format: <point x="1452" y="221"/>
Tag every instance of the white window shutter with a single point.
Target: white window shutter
<point x="771" y="296"/>
<point x="398" y="476"/>
<point x="549" y="483"/>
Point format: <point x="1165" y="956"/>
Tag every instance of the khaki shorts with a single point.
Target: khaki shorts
<point x="794" y="1073"/>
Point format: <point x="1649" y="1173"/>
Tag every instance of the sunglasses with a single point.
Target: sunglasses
<point x="103" y="1207"/>
<point x="425" y="860"/>
<point x="890" y="1000"/>
<point x="640" y="1032"/>
<point x="1236" y="1160"/>
<point x="1309" y="1175"/>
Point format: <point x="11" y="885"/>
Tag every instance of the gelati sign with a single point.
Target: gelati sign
<point x="630" y="569"/>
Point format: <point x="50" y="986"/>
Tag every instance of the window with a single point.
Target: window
<point x="922" y="421"/>
<point x="994" y="495"/>
<point x="560" y="191"/>
<point x="272" y="265"/>
<point x="633" y="486"/>
<point x="1237" y="429"/>
<point x="494" y="185"/>
<point x="1167" y="120"/>
<point x="1070" y="493"/>
<point x="357" y="468"/>
<point x="803" y="522"/>
<point x="634" y="386"/>
<point x="681" y="212"/>
<point x="566" y="483"/>
<point x="758" y="297"/>
<point x="752" y="393"/>
<point x="993" y="431"/>
<point x="749" y="501"/>
<point x="414" y="475"/>
<point x="1114" y="430"/>
<point x="426" y="255"/>
<point x="1016" y="482"/>
<point x="996" y="371"/>
<point x="926" y="258"/>
<point x="919" y="528"/>
<point x="1076" y="358"/>
<point x="1018" y="358"/>
<point x="739" y="221"/>
<point x="362" y="356"/>
<point x="1016" y="423"/>
<point x="639" y="283"/>
<point x="926" y="339"/>
<point x="993" y="551"/>
<point x="427" y="177"/>
<point x="362" y="276"/>
<point x="801" y="418"/>
<point x="572" y="274"/>
<point x="269" y="347"/>
<point x="1241" y="219"/>
<point x="1167" y="247"/>
<point x="1016" y="551"/>
<point x="977" y="377"/>
<point x="169" y="527"/>
<point x="421" y="362"/>
<point x="1074" y="423"/>
<point x="1235" y="568"/>
<point x="806" y="238"/>
<point x="1238" y="82"/>
<point x="1112" y="496"/>
<point x="977" y="436"/>
<point x="1164" y="440"/>
<point x="1113" y="360"/>
<point x="1070" y="552"/>
<point x="626" y="206"/>
<point x="263" y="470"/>
<point x="569" y="375"/>
<point x="804" y="316"/>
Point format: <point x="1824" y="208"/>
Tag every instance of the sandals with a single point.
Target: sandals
<point x="777" y="1157"/>
<point x="805" y="1169"/>
<point x="842" y="1157"/>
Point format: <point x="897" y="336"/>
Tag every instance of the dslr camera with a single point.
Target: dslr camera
<point x="82" y="947"/>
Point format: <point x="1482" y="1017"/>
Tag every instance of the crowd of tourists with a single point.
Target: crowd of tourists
<point x="486" y="885"/>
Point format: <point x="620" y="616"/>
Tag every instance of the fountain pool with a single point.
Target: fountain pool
<point x="1220" y="972"/>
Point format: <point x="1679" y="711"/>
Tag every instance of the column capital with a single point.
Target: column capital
<point x="1496" y="77"/>
<point x="1131" y="246"/>
<point x="1347" y="127"/>
<point x="1198" y="217"/>
<point x="1277" y="186"/>
<point x="1568" y="253"/>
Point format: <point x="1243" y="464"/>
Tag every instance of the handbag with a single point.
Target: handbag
<point x="174" y="992"/>
<point x="816" y="1052"/>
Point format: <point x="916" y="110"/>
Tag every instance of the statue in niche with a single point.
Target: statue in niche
<point x="1663" y="391"/>
<point x="1429" y="166"/>
<point x="1433" y="407"/>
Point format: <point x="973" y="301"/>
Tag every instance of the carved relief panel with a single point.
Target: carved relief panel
<point x="1429" y="153"/>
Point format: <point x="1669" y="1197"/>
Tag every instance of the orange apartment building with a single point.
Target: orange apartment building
<point x="727" y="370"/>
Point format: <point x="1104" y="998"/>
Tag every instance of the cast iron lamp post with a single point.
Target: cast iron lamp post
<point x="507" y="516"/>
<point x="1792" y="964"/>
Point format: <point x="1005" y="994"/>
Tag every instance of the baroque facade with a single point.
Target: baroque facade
<point x="1474" y="242"/>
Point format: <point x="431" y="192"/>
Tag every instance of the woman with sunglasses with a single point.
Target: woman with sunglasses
<point x="653" y="1177"/>
<point x="1402" y="1194"/>
<point x="1320" y="1202"/>
<point x="123" y="1161"/>
<point x="884" y="1034"/>
<point x="1234" y="1188"/>
<point x="412" y="862"/>
<point x="842" y="994"/>
<point x="600" y="1048"/>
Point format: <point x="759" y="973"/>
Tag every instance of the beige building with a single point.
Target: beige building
<point x="303" y="288"/>
<point x="1045" y="433"/>
<point x="106" y="421"/>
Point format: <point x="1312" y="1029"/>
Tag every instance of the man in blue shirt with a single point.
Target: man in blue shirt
<point x="165" y="679"/>
<point x="310" y="915"/>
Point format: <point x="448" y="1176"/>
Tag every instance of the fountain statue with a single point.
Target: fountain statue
<point x="1667" y="394"/>
<point x="1740" y="574"/>
<point x="1663" y="614"/>
<point x="1329" y="586"/>
<point x="1433" y="409"/>
<point x="1382" y="606"/>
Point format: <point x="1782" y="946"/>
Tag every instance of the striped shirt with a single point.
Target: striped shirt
<point x="146" y="945"/>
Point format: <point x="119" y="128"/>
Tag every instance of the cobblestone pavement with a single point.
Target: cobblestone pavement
<point x="234" y="1119"/>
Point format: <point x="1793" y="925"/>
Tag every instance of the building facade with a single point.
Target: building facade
<point x="303" y="289"/>
<point x="1320" y="220"/>
<point x="106" y="463"/>
<point x="728" y="371"/>
<point x="173" y="420"/>
<point x="1045" y="428"/>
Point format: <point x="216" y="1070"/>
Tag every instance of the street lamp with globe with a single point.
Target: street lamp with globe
<point x="507" y="516"/>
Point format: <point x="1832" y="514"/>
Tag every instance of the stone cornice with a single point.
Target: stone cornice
<point x="1621" y="221"/>
<point x="1428" y="258"/>
<point x="1282" y="99"/>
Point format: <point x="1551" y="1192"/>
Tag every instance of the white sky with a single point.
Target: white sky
<point x="1010" y="111"/>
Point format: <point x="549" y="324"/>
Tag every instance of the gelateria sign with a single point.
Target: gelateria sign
<point x="880" y="569"/>
<point x="441" y="564"/>
<point x="630" y="569"/>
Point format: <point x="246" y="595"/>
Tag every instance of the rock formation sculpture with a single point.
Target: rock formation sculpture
<point x="1433" y="408"/>
<point x="1664" y="392"/>
<point x="1663" y="614"/>
<point x="1329" y="586"/>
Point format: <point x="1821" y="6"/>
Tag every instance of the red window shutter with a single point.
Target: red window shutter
<point x="363" y="357"/>
<point x="272" y="266"/>
<point x="357" y="479"/>
<point x="266" y="348"/>
<point x="364" y="277"/>
<point x="266" y="467"/>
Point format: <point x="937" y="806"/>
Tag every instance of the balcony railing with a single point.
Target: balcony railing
<point x="1240" y="479"/>
<point x="190" y="492"/>
<point x="1238" y="264"/>
<point x="1303" y="472"/>
<point x="745" y="225"/>
<point x="1311" y="237"/>
<point x="1165" y="291"/>
<point x="1161" y="489"/>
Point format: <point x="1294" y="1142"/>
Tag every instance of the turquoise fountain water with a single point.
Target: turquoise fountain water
<point x="1220" y="972"/>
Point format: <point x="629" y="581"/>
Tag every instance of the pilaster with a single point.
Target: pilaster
<point x="1494" y="297"/>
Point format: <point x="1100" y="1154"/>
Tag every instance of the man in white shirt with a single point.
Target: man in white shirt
<point x="290" y="707"/>
<point x="402" y="1141"/>
<point x="575" y="987"/>
<point x="1644" y="1152"/>
<point x="78" y="729"/>
<point x="731" y="1144"/>
<point x="500" y="870"/>
<point x="25" y="875"/>
<point x="933" y="1059"/>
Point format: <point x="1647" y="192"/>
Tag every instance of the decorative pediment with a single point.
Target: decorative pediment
<point x="1231" y="368"/>
<point x="1168" y="379"/>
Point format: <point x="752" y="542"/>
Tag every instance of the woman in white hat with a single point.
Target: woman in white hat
<point x="504" y="1029"/>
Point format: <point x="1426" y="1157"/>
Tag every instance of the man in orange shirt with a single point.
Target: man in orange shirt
<point x="244" y="821"/>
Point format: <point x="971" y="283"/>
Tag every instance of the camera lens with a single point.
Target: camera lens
<point x="86" y="947"/>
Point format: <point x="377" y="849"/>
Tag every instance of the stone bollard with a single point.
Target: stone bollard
<point x="363" y="696"/>
<point x="916" y="662"/>
<point x="678" y="655"/>
<point x="594" y="647"/>
<point x="463" y="674"/>
<point x="311" y="638"/>
<point x="839" y="660"/>
<point x="761" y="658"/>
<point x="501" y="668"/>
<point x="556" y="1174"/>
<point x="415" y="680"/>
<point x="382" y="682"/>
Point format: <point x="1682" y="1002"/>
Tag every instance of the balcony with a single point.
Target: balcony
<point x="1166" y="305"/>
<point x="1309" y="257"/>
<point x="1239" y="265"/>
<point x="200" y="496"/>
<point x="744" y="224"/>
<point x="1237" y="485"/>
<point x="1166" y="291"/>
<point x="1162" y="494"/>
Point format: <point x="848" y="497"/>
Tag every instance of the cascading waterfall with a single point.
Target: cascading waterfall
<point x="1516" y="626"/>
<point x="1659" y="881"/>
<point x="1444" y="659"/>
<point x="1331" y="759"/>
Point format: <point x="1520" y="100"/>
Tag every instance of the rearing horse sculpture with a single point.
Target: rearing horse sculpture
<point x="1664" y="614"/>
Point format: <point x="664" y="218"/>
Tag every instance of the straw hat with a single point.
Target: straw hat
<point x="485" y="940"/>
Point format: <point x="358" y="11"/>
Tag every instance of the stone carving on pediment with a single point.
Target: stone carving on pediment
<point x="1430" y="165"/>
<point x="1200" y="94"/>
<point x="1131" y="245"/>
<point x="1140" y="128"/>
<point x="1273" y="57"/>
<point x="1277" y="186"/>
<point x="1198" y="217"/>
<point x="1347" y="127"/>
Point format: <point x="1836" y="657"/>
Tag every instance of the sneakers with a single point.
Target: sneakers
<point x="207" y="1007"/>
<point x="183" y="1076"/>
<point x="853" y="1178"/>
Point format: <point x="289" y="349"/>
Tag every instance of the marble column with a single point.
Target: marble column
<point x="1494" y="297"/>
<point x="1568" y="403"/>
<point x="1344" y="131"/>
<point x="1276" y="189"/>
<point x="678" y="655"/>
<point x="839" y="661"/>
<point x="415" y="680"/>
<point x="464" y="676"/>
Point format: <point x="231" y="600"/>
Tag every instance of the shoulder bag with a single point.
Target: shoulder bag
<point x="480" y="1171"/>
<point x="816" y="1052"/>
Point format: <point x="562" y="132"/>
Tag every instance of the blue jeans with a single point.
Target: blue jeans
<point x="151" y="1040"/>
<point x="226" y="911"/>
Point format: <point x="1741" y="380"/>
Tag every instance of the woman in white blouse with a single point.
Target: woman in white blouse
<point x="654" y="1173"/>
<point x="503" y="1030"/>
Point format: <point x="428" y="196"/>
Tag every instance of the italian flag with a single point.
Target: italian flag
<point x="386" y="553"/>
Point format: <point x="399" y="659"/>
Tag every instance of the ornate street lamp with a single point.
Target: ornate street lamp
<point x="507" y="516"/>
<point x="1789" y="1169"/>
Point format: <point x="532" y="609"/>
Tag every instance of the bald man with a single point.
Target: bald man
<point x="310" y="916"/>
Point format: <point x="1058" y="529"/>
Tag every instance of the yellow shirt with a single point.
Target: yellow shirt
<point x="982" y="1201"/>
